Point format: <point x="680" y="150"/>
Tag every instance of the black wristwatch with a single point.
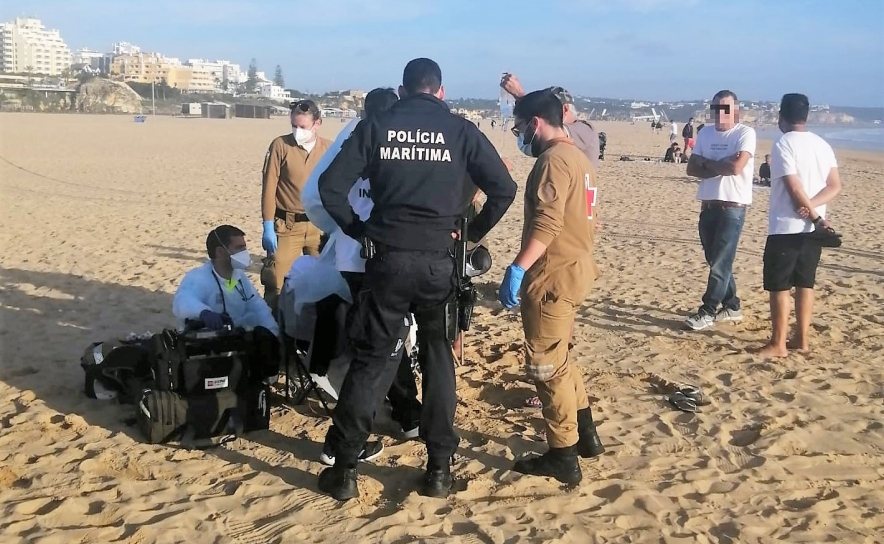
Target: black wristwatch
<point x="817" y="220"/>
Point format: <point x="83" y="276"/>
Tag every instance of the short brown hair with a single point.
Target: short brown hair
<point x="305" y="106"/>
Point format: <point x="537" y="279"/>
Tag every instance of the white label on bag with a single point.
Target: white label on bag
<point x="97" y="354"/>
<point x="216" y="383"/>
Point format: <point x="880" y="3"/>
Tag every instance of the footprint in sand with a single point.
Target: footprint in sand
<point x="745" y="437"/>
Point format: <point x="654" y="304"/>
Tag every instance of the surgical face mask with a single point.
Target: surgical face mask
<point x="527" y="148"/>
<point x="241" y="260"/>
<point x="302" y="135"/>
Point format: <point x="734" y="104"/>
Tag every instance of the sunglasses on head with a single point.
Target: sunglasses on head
<point x="303" y="107"/>
<point x="725" y="108"/>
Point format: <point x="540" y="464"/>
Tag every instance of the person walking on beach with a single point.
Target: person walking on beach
<point x="723" y="159"/>
<point x="804" y="178"/>
<point x="688" y="134"/>
<point x="673" y="132"/>
<point x="287" y="231"/>
<point x="556" y="264"/>
<point x="417" y="155"/>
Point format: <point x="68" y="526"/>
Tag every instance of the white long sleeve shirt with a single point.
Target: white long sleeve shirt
<point x="203" y="289"/>
<point x="346" y="249"/>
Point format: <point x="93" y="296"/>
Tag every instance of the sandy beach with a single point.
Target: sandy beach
<point x="102" y="216"/>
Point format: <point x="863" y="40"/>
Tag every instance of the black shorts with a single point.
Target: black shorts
<point x="790" y="260"/>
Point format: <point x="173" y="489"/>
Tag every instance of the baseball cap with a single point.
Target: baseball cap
<point x="563" y="95"/>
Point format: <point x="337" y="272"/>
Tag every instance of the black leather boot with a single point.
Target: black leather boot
<point x="558" y="463"/>
<point x="589" y="444"/>
<point x="339" y="482"/>
<point x="436" y="482"/>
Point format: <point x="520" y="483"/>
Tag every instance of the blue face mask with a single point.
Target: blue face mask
<point x="527" y="148"/>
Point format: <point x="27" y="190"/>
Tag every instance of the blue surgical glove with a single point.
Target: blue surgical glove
<point x="268" y="241"/>
<point x="509" y="287"/>
<point x="212" y="320"/>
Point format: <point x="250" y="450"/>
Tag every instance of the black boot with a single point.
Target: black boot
<point x="339" y="482"/>
<point x="558" y="463"/>
<point x="436" y="482"/>
<point x="589" y="443"/>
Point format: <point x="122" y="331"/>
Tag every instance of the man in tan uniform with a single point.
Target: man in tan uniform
<point x="557" y="242"/>
<point x="288" y="163"/>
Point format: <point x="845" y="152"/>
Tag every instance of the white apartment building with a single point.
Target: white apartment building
<point x="273" y="92"/>
<point x="223" y="71"/>
<point x="85" y="56"/>
<point x="126" y="48"/>
<point x="26" y="45"/>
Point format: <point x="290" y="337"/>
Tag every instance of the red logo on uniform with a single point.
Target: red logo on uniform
<point x="591" y="196"/>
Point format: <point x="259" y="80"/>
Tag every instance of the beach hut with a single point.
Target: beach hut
<point x="216" y="110"/>
<point x="192" y="108"/>
<point x="246" y="111"/>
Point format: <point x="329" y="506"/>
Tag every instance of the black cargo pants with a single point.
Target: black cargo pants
<point x="396" y="283"/>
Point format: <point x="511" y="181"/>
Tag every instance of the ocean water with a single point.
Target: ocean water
<point x="840" y="137"/>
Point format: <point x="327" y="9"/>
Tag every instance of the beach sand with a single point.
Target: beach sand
<point x="107" y="215"/>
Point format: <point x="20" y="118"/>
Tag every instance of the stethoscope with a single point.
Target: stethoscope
<point x="239" y="287"/>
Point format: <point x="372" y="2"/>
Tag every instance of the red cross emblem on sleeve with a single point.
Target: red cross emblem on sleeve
<point x="591" y="196"/>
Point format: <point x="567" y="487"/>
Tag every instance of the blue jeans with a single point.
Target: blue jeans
<point x="720" y="230"/>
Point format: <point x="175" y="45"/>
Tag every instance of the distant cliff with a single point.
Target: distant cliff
<point x="99" y="95"/>
<point x="760" y="117"/>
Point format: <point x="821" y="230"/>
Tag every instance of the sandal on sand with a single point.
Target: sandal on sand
<point x="692" y="392"/>
<point x="533" y="402"/>
<point x="682" y="402"/>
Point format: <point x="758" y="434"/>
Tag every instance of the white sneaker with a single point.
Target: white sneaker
<point x="411" y="434"/>
<point x="699" y="321"/>
<point x="729" y="314"/>
<point x="323" y="383"/>
<point x="370" y="452"/>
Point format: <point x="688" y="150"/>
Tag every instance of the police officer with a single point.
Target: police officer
<point x="417" y="156"/>
<point x="288" y="163"/>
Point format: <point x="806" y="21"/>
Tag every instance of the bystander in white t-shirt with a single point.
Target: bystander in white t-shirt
<point x="716" y="145"/>
<point x="802" y="154"/>
<point x="673" y="129"/>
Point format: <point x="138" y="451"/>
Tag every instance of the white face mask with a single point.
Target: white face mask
<point x="302" y="135"/>
<point x="241" y="260"/>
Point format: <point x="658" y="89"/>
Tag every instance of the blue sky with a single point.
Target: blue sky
<point x="833" y="51"/>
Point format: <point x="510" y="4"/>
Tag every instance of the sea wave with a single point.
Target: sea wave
<point x="839" y="137"/>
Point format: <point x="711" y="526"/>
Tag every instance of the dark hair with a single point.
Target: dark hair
<point x="422" y="76"/>
<point x="220" y="237"/>
<point x="724" y="94"/>
<point x="544" y="104"/>
<point x="794" y="108"/>
<point x="306" y="106"/>
<point x="379" y="100"/>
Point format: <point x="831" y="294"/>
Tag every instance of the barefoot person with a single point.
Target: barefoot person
<point x="804" y="178"/>
<point x="723" y="160"/>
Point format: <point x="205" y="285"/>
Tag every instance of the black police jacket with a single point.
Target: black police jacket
<point x="417" y="156"/>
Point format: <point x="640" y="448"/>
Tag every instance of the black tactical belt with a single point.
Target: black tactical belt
<point x="298" y="217"/>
